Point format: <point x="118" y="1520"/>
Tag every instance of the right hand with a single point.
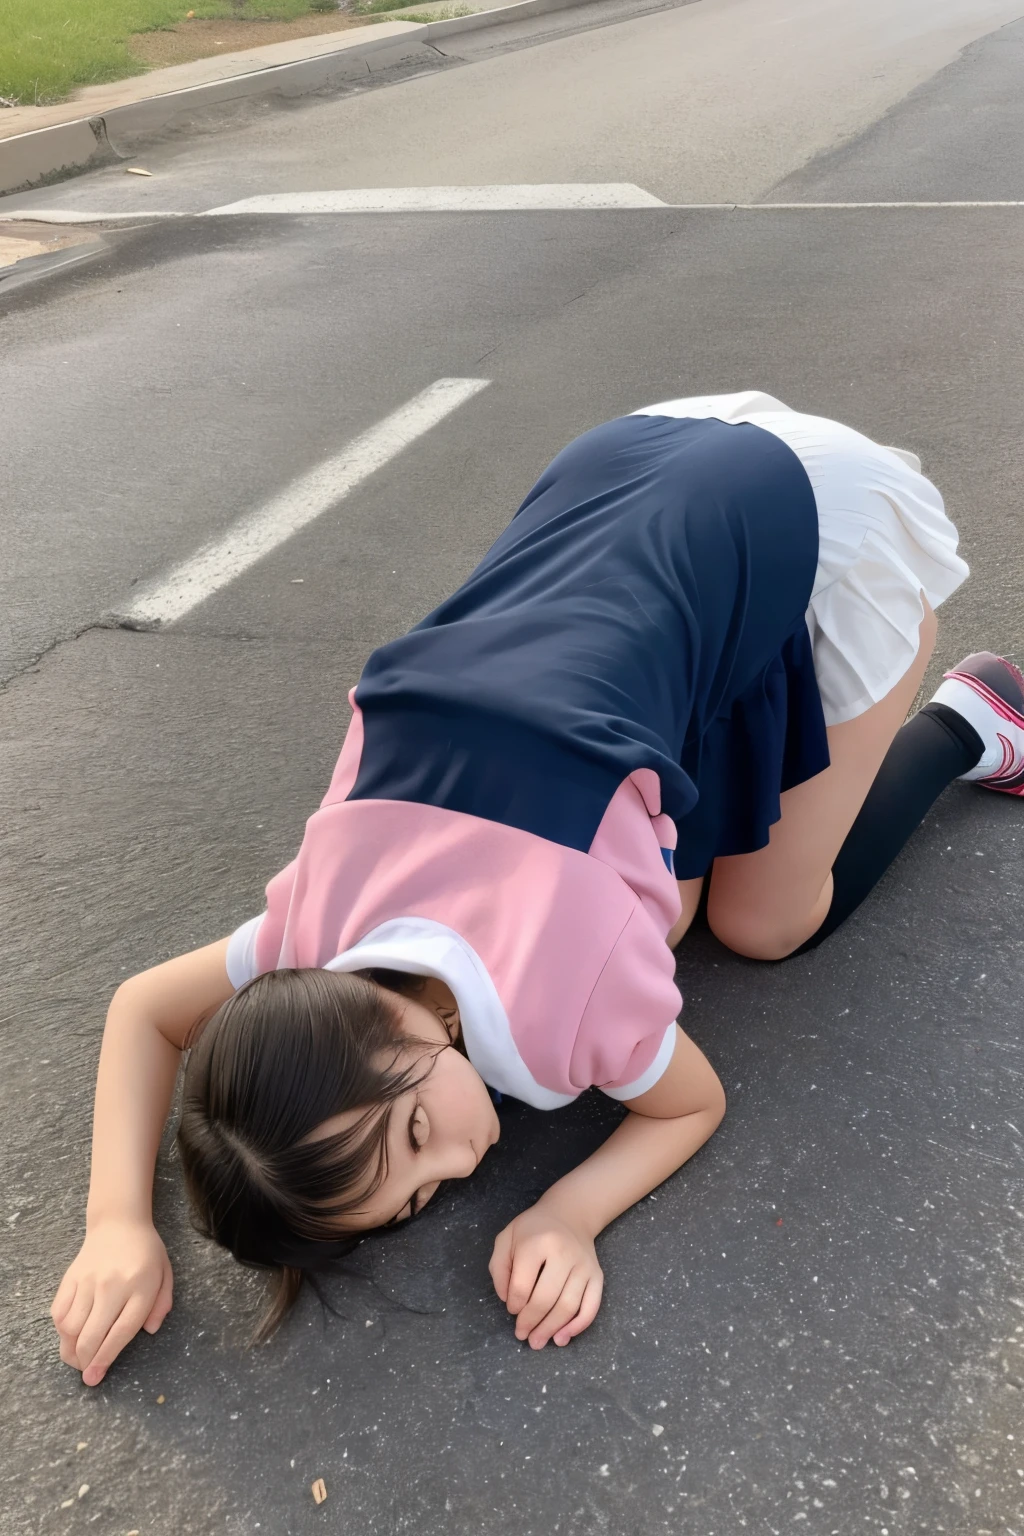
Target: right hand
<point x="120" y="1282"/>
<point x="545" y="1270"/>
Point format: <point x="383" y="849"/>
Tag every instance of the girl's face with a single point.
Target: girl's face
<point x="439" y="1129"/>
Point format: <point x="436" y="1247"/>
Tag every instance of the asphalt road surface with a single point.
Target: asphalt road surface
<point x="818" y="1325"/>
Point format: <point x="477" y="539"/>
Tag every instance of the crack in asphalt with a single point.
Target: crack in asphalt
<point x="37" y="661"/>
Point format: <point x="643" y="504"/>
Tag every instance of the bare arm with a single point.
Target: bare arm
<point x="665" y="1127"/>
<point x="544" y="1265"/>
<point x="147" y="1023"/>
<point x="121" y="1280"/>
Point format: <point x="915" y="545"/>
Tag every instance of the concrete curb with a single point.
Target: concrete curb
<point x="49" y="154"/>
<point x="521" y="11"/>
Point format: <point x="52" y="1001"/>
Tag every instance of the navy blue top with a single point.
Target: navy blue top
<point x="644" y="609"/>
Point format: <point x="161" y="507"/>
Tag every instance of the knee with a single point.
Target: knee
<point x="755" y="936"/>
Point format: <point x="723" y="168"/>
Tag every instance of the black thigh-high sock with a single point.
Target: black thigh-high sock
<point x="928" y="753"/>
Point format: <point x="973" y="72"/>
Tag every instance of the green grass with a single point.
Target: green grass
<point x="440" y="13"/>
<point x="48" y="47"/>
<point x="383" y="8"/>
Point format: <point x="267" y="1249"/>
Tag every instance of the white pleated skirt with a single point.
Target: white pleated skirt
<point x="884" y="543"/>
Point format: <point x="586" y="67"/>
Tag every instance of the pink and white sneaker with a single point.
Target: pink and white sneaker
<point x="989" y="692"/>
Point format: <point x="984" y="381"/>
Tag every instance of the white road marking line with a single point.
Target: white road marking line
<point x="471" y="199"/>
<point x="551" y="198"/>
<point x="802" y="207"/>
<point x="251" y="537"/>
<point x="496" y="199"/>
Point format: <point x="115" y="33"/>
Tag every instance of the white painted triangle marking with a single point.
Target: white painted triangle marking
<point x="496" y="199"/>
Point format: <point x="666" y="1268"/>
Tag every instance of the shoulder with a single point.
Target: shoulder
<point x="626" y="1031"/>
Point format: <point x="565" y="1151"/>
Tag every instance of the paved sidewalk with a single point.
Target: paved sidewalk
<point x="108" y="122"/>
<point x="94" y="100"/>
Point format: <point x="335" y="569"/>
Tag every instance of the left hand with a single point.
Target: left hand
<point x="546" y="1272"/>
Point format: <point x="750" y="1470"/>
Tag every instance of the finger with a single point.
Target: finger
<point x="500" y="1267"/>
<point x="589" y="1308"/>
<point x="545" y="1294"/>
<point x="107" y="1306"/>
<point x="63" y="1299"/>
<point x="566" y="1306"/>
<point x="124" y="1329"/>
<point x="527" y="1266"/>
<point x="162" y="1305"/>
<point x="77" y="1314"/>
<point x="67" y="1353"/>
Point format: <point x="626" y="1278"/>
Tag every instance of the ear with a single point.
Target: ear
<point x="442" y="1004"/>
<point x="449" y="1017"/>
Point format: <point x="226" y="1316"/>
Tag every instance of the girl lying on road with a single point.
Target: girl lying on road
<point x="689" y="657"/>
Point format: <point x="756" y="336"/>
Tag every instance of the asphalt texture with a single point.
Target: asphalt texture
<point x="958" y="136"/>
<point x="818" y="1324"/>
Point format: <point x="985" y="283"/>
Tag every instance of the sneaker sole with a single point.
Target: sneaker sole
<point x="983" y="673"/>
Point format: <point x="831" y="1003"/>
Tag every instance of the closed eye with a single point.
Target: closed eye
<point x="416" y="1205"/>
<point x="409" y="1211"/>
<point x="412" y="1121"/>
<point x="402" y="1217"/>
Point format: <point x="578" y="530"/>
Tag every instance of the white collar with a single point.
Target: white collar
<point x="422" y="947"/>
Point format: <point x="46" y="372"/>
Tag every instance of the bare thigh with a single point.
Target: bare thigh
<point x="765" y="904"/>
<point x="689" y="901"/>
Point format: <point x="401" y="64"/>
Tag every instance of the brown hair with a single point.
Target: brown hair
<point x="287" y="1052"/>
